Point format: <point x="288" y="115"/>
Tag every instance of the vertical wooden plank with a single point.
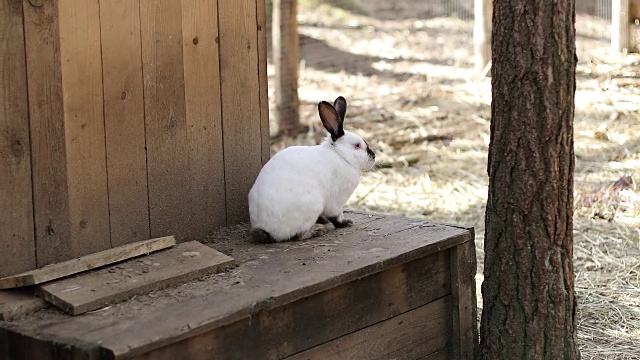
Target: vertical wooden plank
<point x="204" y="118"/>
<point x="465" y="310"/>
<point x="48" y="153"/>
<point x="620" y="25"/>
<point x="124" y="121"/>
<point x="84" y="126"/>
<point x="240" y="85"/>
<point x="17" y="242"/>
<point x="165" y="118"/>
<point x="263" y="79"/>
<point x="285" y="60"/>
<point x="483" y="13"/>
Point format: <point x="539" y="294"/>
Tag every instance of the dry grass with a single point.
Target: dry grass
<point x="408" y="82"/>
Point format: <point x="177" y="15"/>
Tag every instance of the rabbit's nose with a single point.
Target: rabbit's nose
<point x="372" y="155"/>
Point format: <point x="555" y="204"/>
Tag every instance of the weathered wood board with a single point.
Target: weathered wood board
<point x="48" y="150"/>
<point x="165" y="116"/>
<point x="316" y="319"/>
<point x="463" y="281"/>
<point x="114" y="122"/>
<point x="124" y="121"/>
<point x="401" y="337"/>
<point x="89" y="291"/>
<point x="280" y="300"/>
<point x="88" y="262"/>
<point x="262" y="74"/>
<point x="200" y="40"/>
<point x="85" y="165"/>
<point x="18" y="302"/>
<point x="240" y="84"/>
<point x="17" y="248"/>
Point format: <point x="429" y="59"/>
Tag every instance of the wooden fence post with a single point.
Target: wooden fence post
<point x="620" y="25"/>
<point x="285" y="58"/>
<point x="483" y="12"/>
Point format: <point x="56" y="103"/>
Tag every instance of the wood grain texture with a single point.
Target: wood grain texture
<point x="19" y="302"/>
<point x="204" y="117"/>
<point x="412" y="335"/>
<point x="241" y="121"/>
<point x="165" y="118"/>
<point x="620" y="25"/>
<point x="444" y="354"/>
<point x="465" y="311"/>
<point x="264" y="80"/>
<point x="48" y="146"/>
<point x="85" y="292"/>
<point x="46" y="347"/>
<point x="87" y="262"/>
<point x="483" y="15"/>
<point x="81" y="63"/>
<point x="17" y="242"/>
<point x="124" y="121"/>
<point x="286" y="60"/>
<point x="326" y="316"/>
<point x="269" y="277"/>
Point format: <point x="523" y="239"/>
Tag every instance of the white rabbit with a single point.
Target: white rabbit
<point x="303" y="187"/>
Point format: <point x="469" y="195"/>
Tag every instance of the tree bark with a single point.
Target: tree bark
<point x="528" y="291"/>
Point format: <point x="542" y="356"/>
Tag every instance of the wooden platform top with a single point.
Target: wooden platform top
<point x="265" y="276"/>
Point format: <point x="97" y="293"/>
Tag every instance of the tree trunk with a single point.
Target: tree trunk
<point x="528" y="291"/>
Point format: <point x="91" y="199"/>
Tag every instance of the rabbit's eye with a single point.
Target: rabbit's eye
<point x="356" y="145"/>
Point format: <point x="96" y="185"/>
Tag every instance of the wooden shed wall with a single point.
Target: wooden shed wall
<point x="124" y="120"/>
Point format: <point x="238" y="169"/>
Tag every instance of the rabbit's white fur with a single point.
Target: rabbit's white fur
<point x="301" y="183"/>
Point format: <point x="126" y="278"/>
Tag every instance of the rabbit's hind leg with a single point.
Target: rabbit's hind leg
<point x="315" y="231"/>
<point x="340" y="221"/>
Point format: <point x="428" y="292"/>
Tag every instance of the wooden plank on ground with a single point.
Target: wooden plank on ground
<point x="412" y="335"/>
<point x="18" y="302"/>
<point x="463" y="289"/>
<point x="165" y="118"/>
<point x="48" y="146"/>
<point x="90" y="291"/>
<point x="261" y="19"/>
<point x="17" y="242"/>
<point x="241" y="106"/>
<point x="88" y="262"/>
<point x="86" y="167"/>
<point x="124" y="121"/>
<point x="204" y="116"/>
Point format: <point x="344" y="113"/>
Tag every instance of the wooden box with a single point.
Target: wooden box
<point x="386" y="288"/>
<point x="124" y="120"/>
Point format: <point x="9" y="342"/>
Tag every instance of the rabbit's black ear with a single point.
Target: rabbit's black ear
<point x="341" y="107"/>
<point x="331" y="120"/>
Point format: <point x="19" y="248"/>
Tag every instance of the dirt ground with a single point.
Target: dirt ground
<point x="407" y="75"/>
